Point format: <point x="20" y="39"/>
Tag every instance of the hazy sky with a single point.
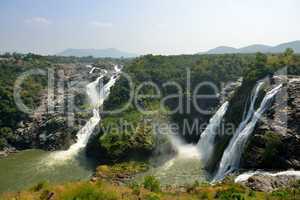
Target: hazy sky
<point x="145" y="26"/>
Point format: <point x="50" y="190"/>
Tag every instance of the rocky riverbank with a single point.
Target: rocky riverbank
<point x="7" y="151"/>
<point x="268" y="181"/>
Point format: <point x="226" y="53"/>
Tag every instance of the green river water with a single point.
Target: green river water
<point x="26" y="168"/>
<point x="184" y="169"/>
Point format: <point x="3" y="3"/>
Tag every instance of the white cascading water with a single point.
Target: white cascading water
<point x="117" y="69"/>
<point x="245" y="176"/>
<point x="207" y="138"/>
<point x="183" y="149"/>
<point x="92" y="70"/>
<point x="97" y="98"/>
<point x="247" y="115"/>
<point x="93" y="92"/>
<point x="232" y="154"/>
<point x="184" y="168"/>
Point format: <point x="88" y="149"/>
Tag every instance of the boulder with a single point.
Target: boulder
<point x="267" y="183"/>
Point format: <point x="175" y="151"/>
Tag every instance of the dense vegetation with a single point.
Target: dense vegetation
<point x="159" y="70"/>
<point x="11" y="66"/>
<point x="263" y="65"/>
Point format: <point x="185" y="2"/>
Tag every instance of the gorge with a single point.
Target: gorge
<point x="172" y="157"/>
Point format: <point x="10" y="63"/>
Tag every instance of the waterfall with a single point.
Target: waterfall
<point x="93" y="93"/>
<point x="247" y="115"/>
<point x="82" y="136"/>
<point x="232" y="154"/>
<point x="117" y="68"/>
<point x="97" y="97"/>
<point x="207" y="139"/>
<point x="92" y="70"/>
<point x="183" y="149"/>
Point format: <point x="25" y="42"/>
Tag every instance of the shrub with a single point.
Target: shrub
<point x="152" y="197"/>
<point x="39" y="186"/>
<point x="203" y="195"/>
<point x="136" y="190"/>
<point x="87" y="192"/>
<point x="193" y="187"/>
<point x="252" y="194"/>
<point x="230" y="194"/>
<point x="7" y="133"/>
<point x="273" y="144"/>
<point x="46" y="195"/>
<point x="152" y="184"/>
<point x="114" y="171"/>
<point x="280" y="194"/>
<point x="3" y="143"/>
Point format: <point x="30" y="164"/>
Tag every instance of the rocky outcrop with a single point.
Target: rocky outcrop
<point x="275" y="143"/>
<point x="269" y="183"/>
<point x="121" y="172"/>
<point x="44" y="128"/>
<point x="6" y="151"/>
<point x="229" y="90"/>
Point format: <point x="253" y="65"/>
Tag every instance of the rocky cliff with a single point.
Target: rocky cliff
<point x="62" y="111"/>
<point x="275" y="143"/>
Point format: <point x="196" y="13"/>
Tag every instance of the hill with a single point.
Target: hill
<point x="254" y="48"/>
<point x="97" y="53"/>
<point x="222" y="49"/>
<point x="280" y="48"/>
<point x="295" y="45"/>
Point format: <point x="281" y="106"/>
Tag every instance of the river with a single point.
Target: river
<point x="26" y="168"/>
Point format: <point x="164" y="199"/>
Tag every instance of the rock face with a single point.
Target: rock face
<point x="56" y="129"/>
<point x="63" y="109"/>
<point x="267" y="183"/>
<point x="229" y="90"/>
<point x="50" y="129"/>
<point x="275" y="143"/>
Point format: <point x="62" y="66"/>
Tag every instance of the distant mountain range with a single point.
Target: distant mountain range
<point x="97" y="53"/>
<point x="295" y="45"/>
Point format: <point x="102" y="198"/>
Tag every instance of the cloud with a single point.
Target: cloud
<point x="38" y="20"/>
<point x="99" y="24"/>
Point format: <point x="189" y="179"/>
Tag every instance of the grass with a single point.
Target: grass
<point x="108" y="186"/>
<point x="103" y="190"/>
